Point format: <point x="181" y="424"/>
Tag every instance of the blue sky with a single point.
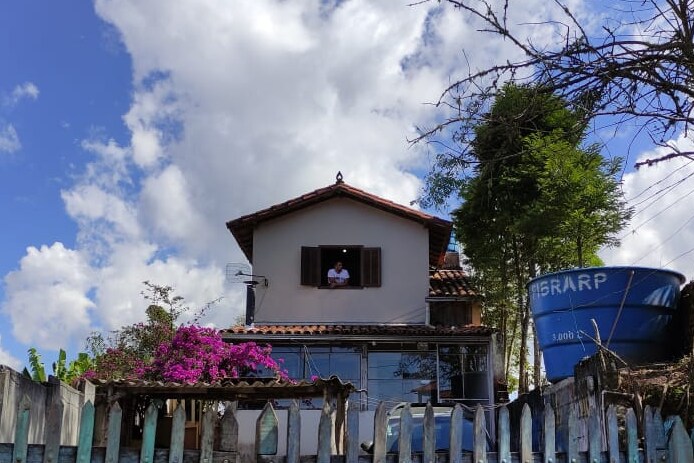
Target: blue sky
<point x="131" y="131"/>
<point x="65" y="78"/>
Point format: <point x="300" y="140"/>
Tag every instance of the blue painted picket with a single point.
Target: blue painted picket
<point x="674" y="446"/>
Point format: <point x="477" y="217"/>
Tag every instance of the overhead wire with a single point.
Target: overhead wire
<point x="652" y="185"/>
<point x="679" y="256"/>
<point x="663" y="242"/>
<point x="633" y="230"/>
<point x="660" y="193"/>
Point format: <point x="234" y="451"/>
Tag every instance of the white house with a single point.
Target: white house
<point x="405" y="328"/>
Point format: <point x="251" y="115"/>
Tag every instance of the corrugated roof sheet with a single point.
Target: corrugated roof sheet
<point x="439" y="229"/>
<point x="230" y="388"/>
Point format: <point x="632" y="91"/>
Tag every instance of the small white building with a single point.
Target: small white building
<point x="406" y="327"/>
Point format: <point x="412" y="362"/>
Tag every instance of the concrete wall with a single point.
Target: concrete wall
<point x="404" y="266"/>
<point x="14" y="385"/>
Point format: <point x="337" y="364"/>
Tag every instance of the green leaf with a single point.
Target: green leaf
<point x="37" y="367"/>
<point x="59" y="370"/>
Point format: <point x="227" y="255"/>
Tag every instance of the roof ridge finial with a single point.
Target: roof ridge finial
<point x="338" y="178"/>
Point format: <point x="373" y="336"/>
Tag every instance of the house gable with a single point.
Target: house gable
<point x="341" y="229"/>
<point x="439" y="229"/>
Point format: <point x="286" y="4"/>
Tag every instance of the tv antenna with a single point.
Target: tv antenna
<point x="238" y="272"/>
<point x="241" y="273"/>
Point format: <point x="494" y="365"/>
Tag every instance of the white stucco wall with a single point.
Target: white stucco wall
<point x="340" y="221"/>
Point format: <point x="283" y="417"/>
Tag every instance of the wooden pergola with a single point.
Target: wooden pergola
<point x="129" y="393"/>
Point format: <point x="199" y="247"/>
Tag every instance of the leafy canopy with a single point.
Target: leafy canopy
<point x="536" y="201"/>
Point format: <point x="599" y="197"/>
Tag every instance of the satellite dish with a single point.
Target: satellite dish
<point x="238" y="272"/>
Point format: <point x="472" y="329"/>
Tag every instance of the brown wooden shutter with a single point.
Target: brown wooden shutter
<point x="371" y="266"/>
<point x="310" y="266"/>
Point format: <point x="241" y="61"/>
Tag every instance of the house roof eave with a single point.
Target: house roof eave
<point x="322" y="339"/>
<point x="243" y="227"/>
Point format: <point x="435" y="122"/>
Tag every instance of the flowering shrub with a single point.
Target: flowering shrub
<point x="156" y="350"/>
<point x="117" y="363"/>
<point x="193" y="354"/>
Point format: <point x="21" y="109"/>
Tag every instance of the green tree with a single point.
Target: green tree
<point x="536" y="202"/>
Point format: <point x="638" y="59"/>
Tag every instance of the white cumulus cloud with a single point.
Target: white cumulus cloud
<point x="47" y="296"/>
<point x="237" y="107"/>
<point x="7" y="359"/>
<point x="27" y="90"/>
<point x="9" y="140"/>
<point x="661" y="232"/>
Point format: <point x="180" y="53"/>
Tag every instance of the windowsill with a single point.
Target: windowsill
<point x="341" y="287"/>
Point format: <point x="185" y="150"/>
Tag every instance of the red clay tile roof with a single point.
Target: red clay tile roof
<point x="450" y="283"/>
<point x="367" y="331"/>
<point x="439" y="229"/>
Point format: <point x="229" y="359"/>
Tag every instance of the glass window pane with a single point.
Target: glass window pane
<point x="416" y="365"/>
<point x="345" y="366"/>
<point x="317" y="365"/>
<point x="314" y="349"/>
<point x="382" y="390"/>
<point x="418" y="391"/>
<point x="463" y="376"/>
<point x="290" y="361"/>
<point x="450" y="373"/>
<point x="384" y="365"/>
<point x="449" y="350"/>
<point x="475" y="358"/>
<point x="353" y="349"/>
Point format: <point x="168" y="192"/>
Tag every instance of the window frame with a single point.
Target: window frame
<point x="313" y="268"/>
<point x="474" y="361"/>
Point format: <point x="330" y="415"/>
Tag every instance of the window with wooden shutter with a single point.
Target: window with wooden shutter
<point x="310" y="266"/>
<point x="363" y="265"/>
<point x="371" y="267"/>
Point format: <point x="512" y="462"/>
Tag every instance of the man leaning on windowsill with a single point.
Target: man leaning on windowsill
<point x="338" y="276"/>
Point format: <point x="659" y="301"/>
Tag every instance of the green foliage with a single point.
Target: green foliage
<point x="159" y="350"/>
<point x="140" y="340"/>
<point x="162" y="297"/>
<point x="38" y="370"/>
<point x="536" y="202"/>
<point x="61" y="369"/>
<point x="115" y="355"/>
<point x="78" y="367"/>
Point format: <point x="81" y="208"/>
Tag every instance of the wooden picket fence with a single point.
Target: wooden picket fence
<point x="661" y="441"/>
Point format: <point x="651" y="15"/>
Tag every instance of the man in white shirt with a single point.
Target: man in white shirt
<point x="338" y="276"/>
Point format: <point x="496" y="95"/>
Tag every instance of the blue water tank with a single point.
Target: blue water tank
<point x="632" y="306"/>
